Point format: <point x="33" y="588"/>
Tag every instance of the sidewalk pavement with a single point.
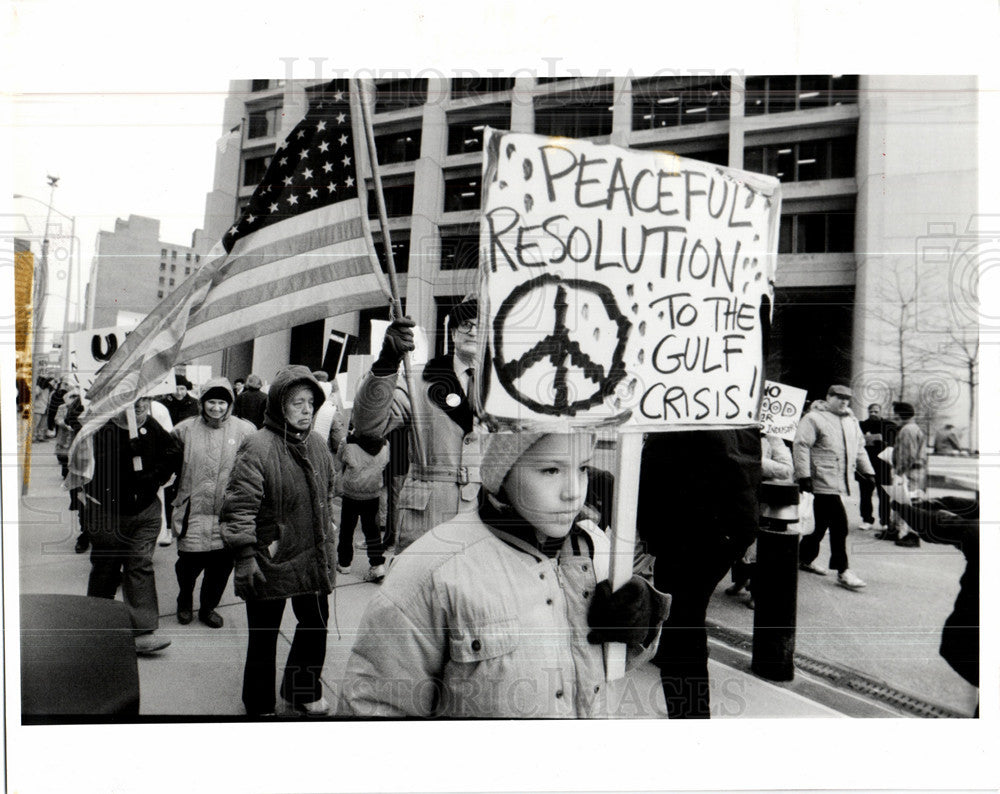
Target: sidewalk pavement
<point x="200" y="674"/>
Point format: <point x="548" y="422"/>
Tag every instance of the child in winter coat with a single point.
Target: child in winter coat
<point x="361" y="461"/>
<point x="501" y="613"/>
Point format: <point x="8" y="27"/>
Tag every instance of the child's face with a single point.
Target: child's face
<point x="548" y="484"/>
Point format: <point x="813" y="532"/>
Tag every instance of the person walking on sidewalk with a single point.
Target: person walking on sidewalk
<point x="251" y="403"/>
<point x="361" y="461"/>
<point x="879" y="434"/>
<point x="67" y="426"/>
<point x="209" y="444"/>
<point x="277" y="520"/>
<point x="828" y="447"/>
<point x="121" y="514"/>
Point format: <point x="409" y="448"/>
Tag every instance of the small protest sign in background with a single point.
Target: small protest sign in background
<point x="781" y="409"/>
<point x="622" y="285"/>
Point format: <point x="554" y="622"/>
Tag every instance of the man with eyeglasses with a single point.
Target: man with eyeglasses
<point x="447" y="482"/>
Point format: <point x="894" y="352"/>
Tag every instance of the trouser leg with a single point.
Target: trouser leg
<point x="867" y="490"/>
<point x="369" y="526"/>
<point x="218" y="567"/>
<point x="301" y="682"/>
<point x="107" y="554"/>
<point x="348" y="521"/>
<point x="835" y="517"/>
<point x="188" y="567"/>
<point x="263" y="622"/>
<point x="138" y="582"/>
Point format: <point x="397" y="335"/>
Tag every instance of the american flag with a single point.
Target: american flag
<point x="301" y="251"/>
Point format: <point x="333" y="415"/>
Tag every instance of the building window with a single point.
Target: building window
<point x="159" y="293"/>
<point x="171" y="282"/>
<point x="398" y="201"/>
<point x="254" y="169"/>
<point x="400" y="253"/>
<point x="187" y="271"/>
<point x="163" y="267"/>
<point x="579" y="114"/>
<point x="173" y="268"/>
<point x="462" y="193"/>
<point x="466" y="134"/>
<point x="674" y="103"/>
<point x="400" y="94"/>
<point x="474" y="86"/>
<point x="163" y="253"/>
<point x="398" y="147"/>
<point x="785" y="93"/>
<point x="197" y="258"/>
<point x="830" y="232"/>
<point x="263" y="123"/>
<point x="459" y="248"/>
<point x="173" y="254"/>
<point x="803" y="161"/>
<point x="162" y="281"/>
<point x="260" y="85"/>
<point x="187" y="257"/>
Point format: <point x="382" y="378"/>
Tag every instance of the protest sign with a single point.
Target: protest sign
<point x="622" y="285"/>
<point x="781" y="409"/>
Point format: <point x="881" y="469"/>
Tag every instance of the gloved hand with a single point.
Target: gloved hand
<point x="806" y="485"/>
<point x="631" y="614"/>
<point x="248" y="577"/>
<point x="398" y="341"/>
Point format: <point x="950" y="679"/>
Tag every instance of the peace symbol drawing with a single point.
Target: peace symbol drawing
<point x="578" y="363"/>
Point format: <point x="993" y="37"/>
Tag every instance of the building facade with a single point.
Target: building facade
<point x="133" y="269"/>
<point x="869" y="166"/>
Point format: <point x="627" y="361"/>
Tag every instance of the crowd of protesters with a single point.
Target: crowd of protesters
<point x="500" y="538"/>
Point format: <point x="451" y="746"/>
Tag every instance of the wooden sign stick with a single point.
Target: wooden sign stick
<point x="133" y="433"/>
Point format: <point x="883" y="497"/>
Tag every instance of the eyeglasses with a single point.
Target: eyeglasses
<point x="466" y="327"/>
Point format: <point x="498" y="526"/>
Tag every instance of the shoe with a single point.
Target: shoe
<point x="150" y="643"/>
<point x="911" y="540"/>
<point x="343" y="568"/>
<point x="864" y="526"/>
<point x="184" y="616"/>
<point x="213" y="619"/>
<point x="812" y="567"/>
<point x="849" y="580"/>
<point x="375" y="574"/>
<point x="82" y="544"/>
<point x="165" y="538"/>
<point x="318" y="708"/>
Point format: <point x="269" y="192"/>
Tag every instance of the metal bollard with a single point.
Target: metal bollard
<point x="775" y="595"/>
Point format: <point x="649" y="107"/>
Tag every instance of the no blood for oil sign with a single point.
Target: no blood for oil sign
<point x="622" y="285"/>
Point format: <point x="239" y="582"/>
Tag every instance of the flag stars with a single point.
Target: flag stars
<point x="302" y="134"/>
<point x="346" y="161"/>
<point x="332" y="187"/>
<point x="288" y="181"/>
<point x="343" y="140"/>
<point x="307" y="173"/>
<point x="293" y="199"/>
<point x="338" y="97"/>
<point x="282" y="145"/>
<point x="349" y="181"/>
<point x="327" y="168"/>
<point x="324" y="146"/>
<point x="283" y="161"/>
<point x="251" y="218"/>
<point x="313" y="193"/>
<point x="273" y="207"/>
<point x="341" y="117"/>
<point x="321" y="126"/>
<point x="303" y="154"/>
<point x="234" y="230"/>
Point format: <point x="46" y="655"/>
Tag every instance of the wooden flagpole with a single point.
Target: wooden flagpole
<point x="397" y="306"/>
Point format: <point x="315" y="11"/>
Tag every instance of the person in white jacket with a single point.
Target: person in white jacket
<point x="828" y="447"/>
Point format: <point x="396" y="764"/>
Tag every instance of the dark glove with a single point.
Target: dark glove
<point x="631" y="614"/>
<point x="806" y="484"/>
<point x="398" y="342"/>
<point x="248" y="578"/>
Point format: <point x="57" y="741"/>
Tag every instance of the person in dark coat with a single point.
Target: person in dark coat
<point x="251" y="403"/>
<point x="121" y="513"/>
<point x="880" y="433"/>
<point x="181" y="404"/>
<point x="276" y="519"/>
<point x="698" y="511"/>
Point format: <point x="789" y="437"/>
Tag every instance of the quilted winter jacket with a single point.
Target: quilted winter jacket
<point x="209" y="456"/>
<point x="828" y="447"/>
<point x="270" y="511"/>
<point x="451" y="486"/>
<point x="468" y="625"/>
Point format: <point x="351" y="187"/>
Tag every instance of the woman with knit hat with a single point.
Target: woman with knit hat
<point x="502" y="612"/>
<point x="210" y="442"/>
<point x="276" y="520"/>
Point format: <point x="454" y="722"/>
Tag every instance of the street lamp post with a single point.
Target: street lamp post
<point x="41" y="278"/>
